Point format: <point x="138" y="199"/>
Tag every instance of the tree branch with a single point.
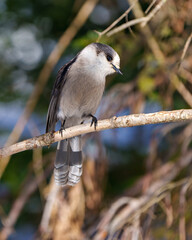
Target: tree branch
<point x="114" y="122"/>
<point x="143" y="20"/>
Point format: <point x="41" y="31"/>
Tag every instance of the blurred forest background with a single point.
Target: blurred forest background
<point x="136" y="182"/>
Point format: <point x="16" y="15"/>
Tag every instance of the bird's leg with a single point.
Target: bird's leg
<point x="62" y="128"/>
<point x="94" y="120"/>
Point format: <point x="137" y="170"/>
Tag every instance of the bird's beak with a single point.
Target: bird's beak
<point x="116" y="69"/>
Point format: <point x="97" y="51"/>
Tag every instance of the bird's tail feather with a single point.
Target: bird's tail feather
<point x="61" y="163"/>
<point x="68" y="163"/>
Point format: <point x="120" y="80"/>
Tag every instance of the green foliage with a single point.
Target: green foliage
<point x="146" y="84"/>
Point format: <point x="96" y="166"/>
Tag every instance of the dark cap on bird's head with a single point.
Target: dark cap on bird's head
<point x="109" y="53"/>
<point x="105" y="59"/>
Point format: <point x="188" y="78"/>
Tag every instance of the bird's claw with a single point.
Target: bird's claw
<point x="94" y="121"/>
<point x="61" y="131"/>
<point x="62" y="128"/>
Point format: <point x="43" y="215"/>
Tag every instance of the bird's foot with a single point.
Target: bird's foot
<point x="61" y="131"/>
<point x="62" y="128"/>
<point x="94" y="121"/>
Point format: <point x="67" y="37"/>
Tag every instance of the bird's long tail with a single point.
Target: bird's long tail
<point x="68" y="163"/>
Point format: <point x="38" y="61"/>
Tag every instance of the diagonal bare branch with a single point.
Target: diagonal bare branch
<point x="143" y="20"/>
<point x="125" y="14"/>
<point x="115" y="122"/>
<point x="185" y="48"/>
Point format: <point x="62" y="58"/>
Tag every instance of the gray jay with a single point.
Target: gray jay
<point x="75" y="97"/>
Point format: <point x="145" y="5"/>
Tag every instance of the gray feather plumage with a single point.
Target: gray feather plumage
<point x="55" y="95"/>
<point x="68" y="163"/>
<point x="75" y="97"/>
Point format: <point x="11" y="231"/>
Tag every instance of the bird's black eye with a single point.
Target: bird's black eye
<point x="109" y="58"/>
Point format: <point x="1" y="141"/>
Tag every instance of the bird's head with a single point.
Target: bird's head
<point x="100" y="59"/>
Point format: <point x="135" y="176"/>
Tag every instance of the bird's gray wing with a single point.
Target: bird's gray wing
<point x="55" y="95"/>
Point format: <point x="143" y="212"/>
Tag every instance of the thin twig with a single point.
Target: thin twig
<point x="142" y="20"/>
<point x="44" y="225"/>
<point x="150" y="6"/>
<point x="182" y="205"/>
<point x="185" y="48"/>
<point x="152" y="43"/>
<point x="37" y="159"/>
<point x="168" y="209"/>
<point x="187" y="96"/>
<point x="153" y="12"/>
<point x="115" y="22"/>
<point x="126" y="25"/>
<point x="186" y="74"/>
<point x="115" y="122"/>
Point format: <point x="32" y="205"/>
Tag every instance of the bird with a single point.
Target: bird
<point x="75" y="97"/>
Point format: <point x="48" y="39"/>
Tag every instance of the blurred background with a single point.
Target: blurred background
<point x="136" y="182"/>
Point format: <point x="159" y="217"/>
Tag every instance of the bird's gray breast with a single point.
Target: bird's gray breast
<point x="80" y="95"/>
